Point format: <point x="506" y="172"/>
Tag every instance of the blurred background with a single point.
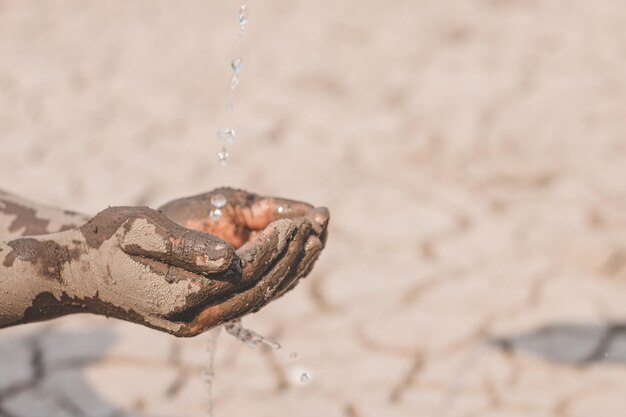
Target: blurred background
<point x="472" y="154"/>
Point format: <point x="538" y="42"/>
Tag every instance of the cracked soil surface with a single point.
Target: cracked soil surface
<point x="472" y="154"/>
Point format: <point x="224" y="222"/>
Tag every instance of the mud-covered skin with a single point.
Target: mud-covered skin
<point x="19" y="217"/>
<point x="137" y="264"/>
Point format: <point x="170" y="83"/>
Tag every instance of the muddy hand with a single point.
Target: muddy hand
<point x="186" y="281"/>
<point x="277" y="240"/>
<point x="132" y="263"/>
<point x="137" y="264"/>
<point x="150" y="270"/>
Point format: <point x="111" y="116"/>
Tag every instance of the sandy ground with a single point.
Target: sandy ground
<point x="472" y="154"/>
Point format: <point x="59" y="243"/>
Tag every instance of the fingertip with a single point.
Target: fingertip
<point x="319" y="218"/>
<point x="218" y="258"/>
<point x="289" y="208"/>
<point x="261" y="252"/>
<point x="313" y="244"/>
<point x="283" y="229"/>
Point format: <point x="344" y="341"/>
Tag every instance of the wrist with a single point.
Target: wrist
<point x="39" y="276"/>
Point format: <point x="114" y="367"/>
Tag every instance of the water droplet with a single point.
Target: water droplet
<point x="243" y="16"/>
<point x="207" y="376"/>
<point x="223" y="156"/>
<point x="227" y="137"/>
<point x="229" y="106"/>
<point x="234" y="82"/>
<point x="293" y="355"/>
<point x="299" y="375"/>
<point x="280" y="209"/>
<point x="237" y="65"/>
<point x="218" y="200"/>
<point x="216" y="214"/>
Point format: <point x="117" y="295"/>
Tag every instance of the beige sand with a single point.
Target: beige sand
<point x="472" y="153"/>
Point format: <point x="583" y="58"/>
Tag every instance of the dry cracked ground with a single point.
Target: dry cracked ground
<point x="473" y="156"/>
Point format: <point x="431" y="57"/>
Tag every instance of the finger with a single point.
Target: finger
<point x="254" y="298"/>
<point x="312" y="250"/>
<point x="294" y="253"/>
<point x="157" y="237"/>
<point x="253" y="261"/>
<point x="257" y="256"/>
<point x="319" y="217"/>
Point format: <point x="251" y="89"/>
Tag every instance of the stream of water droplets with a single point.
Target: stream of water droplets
<point x="208" y="375"/>
<point x="226" y="136"/>
<point x="296" y="373"/>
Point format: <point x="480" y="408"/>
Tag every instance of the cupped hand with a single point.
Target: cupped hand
<point x="277" y="242"/>
<point x="238" y="216"/>
<point x="183" y="269"/>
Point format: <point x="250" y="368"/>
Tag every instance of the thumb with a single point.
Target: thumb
<point x="160" y="238"/>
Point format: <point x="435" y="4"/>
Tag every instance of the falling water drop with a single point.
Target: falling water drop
<point x="226" y="136"/>
<point x="222" y="156"/>
<point x="234" y="82"/>
<point x="207" y="377"/>
<point x="299" y="375"/>
<point x="237" y="65"/>
<point x="216" y="214"/>
<point x="243" y="16"/>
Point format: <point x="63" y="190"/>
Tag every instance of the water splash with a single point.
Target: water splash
<point x="249" y="337"/>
